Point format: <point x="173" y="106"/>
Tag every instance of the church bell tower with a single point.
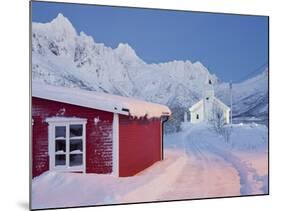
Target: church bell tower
<point x="208" y="94"/>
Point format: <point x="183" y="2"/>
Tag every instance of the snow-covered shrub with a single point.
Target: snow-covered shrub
<point x="218" y="123"/>
<point x="217" y="119"/>
<point x="226" y="133"/>
<point x="174" y="122"/>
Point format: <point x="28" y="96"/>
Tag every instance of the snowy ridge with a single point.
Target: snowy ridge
<point x="250" y="97"/>
<point x="63" y="57"/>
<point x="69" y="60"/>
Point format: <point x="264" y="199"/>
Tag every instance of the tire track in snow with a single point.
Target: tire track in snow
<point x="202" y="175"/>
<point x="241" y="168"/>
<point x="198" y="149"/>
<point x="214" y="159"/>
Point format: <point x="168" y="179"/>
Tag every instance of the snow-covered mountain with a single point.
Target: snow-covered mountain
<point x="63" y="57"/>
<point x="250" y="98"/>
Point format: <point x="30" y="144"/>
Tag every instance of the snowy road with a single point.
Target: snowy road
<point x="214" y="168"/>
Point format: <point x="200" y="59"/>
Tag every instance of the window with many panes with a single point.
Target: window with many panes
<point x="67" y="144"/>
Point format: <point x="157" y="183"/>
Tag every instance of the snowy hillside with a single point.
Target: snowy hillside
<point x="250" y="98"/>
<point x="63" y="57"/>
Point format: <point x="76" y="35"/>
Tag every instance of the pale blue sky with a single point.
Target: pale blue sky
<point x="231" y="46"/>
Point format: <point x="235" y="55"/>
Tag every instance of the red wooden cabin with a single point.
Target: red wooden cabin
<point x="90" y="132"/>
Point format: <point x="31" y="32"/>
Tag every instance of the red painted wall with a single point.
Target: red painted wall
<point x="139" y="144"/>
<point x="98" y="135"/>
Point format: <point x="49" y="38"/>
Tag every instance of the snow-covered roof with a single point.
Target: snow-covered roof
<point x="216" y="100"/>
<point x="100" y="101"/>
<point x="196" y="105"/>
<point x="221" y="104"/>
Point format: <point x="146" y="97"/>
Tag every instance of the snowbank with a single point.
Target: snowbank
<point x="242" y="136"/>
<point x="249" y="136"/>
<point x="54" y="189"/>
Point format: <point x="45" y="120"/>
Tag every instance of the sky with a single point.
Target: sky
<point x="234" y="47"/>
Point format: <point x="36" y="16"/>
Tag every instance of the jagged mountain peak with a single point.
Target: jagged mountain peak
<point x="63" y="24"/>
<point x="200" y="67"/>
<point x="61" y="19"/>
<point x="126" y="52"/>
<point x="59" y="27"/>
<point x="125" y="48"/>
<point x="87" y="39"/>
<point x="62" y="57"/>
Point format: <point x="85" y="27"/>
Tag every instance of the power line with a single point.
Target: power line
<point x="242" y="79"/>
<point x="252" y="72"/>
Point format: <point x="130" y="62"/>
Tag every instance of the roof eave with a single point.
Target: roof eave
<point x="114" y="110"/>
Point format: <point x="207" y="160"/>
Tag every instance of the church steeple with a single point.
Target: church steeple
<point x="208" y="92"/>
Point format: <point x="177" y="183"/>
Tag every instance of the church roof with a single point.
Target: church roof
<point x="216" y="100"/>
<point x="196" y="105"/>
<point x="221" y="104"/>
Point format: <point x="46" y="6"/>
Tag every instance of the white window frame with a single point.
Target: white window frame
<point x="66" y="122"/>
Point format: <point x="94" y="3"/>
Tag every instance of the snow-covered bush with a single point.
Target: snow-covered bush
<point x="226" y="133"/>
<point x="218" y="123"/>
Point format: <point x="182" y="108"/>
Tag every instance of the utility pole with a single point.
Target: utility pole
<point x="230" y="88"/>
<point x="185" y="116"/>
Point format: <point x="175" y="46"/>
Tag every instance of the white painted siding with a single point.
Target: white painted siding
<point x="205" y="110"/>
<point x="226" y="116"/>
<point x="198" y="111"/>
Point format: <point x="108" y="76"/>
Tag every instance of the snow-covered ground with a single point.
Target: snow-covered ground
<point x="198" y="163"/>
<point x="238" y="167"/>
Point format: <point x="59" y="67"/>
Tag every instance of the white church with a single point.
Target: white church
<point x="209" y="106"/>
